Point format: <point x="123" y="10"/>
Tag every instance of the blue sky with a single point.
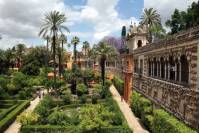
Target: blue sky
<point x="90" y="20"/>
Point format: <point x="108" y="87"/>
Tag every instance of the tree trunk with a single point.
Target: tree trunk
<point x="74" y="53"/>
<point x="102" y="69"/>
<point x="59" y="58"/>
<point x="54" y="57"/>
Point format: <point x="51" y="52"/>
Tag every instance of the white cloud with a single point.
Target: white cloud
<point x="21" y="19"/>
<point x="166" y="7"/>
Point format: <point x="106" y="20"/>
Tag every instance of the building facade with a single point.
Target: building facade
<point x="166" y="71"/>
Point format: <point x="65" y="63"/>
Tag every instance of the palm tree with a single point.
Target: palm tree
<point x="152" y="19"/>
<point x="86" y="47"/>
<point x="53" y="23"/>
<point x="75" y="41"/>
<point x="104" y="52"/>
<point x="63" y="39"/>
<point x="20" y="49"/>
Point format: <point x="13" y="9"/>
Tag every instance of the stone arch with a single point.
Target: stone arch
<point x="172" y="68"/>
<point x="184" y="69"/>
<point x="162" y="67"/>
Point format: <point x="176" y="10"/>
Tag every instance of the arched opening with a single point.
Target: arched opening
<point x="172" y="68"/>
<point x="139" y="44"/>
<point x="184" y="69"/>
<point x="155" y="67"/>
<point x="162" y="67"/>
<point x="149" y="67"/>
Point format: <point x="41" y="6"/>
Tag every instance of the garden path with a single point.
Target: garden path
<point x="132" y="121"/>
<point x="15" y="126"/>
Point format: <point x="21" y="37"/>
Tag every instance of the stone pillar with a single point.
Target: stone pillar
<point x="179" y="71"/>
<point x="168" y="68"/>
<point x="153" y="68"/>
<point x="157" y="69"/>
<point x="165" y="70"/>
<point x="175" y="71"/>
<point x="160" y="70"/>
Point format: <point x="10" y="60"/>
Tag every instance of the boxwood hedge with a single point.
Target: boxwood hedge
<point x="70" y="129"/>
<point x="10" y="117"/>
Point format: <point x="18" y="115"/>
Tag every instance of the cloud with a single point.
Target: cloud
<point x="166" y="7"/>
<point x="21" y="19"/>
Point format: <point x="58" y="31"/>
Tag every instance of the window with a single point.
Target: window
<point x="139" y="44"/>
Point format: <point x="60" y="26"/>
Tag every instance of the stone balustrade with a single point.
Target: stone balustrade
<point x="179" y="100"/>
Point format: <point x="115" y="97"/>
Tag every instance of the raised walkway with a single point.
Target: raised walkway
<point x="15" y="126"/>
<point x="132" y="121"/>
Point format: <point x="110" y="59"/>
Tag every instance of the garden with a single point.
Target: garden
<point x="81" y="104"/>
<point x="17" y="90"/>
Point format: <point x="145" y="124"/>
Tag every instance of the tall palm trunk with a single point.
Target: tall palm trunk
<point x="60" y="58"/>
<point x="54" y="57"/>
<point x="102" y="63"/>
<point x="74" y="53"/>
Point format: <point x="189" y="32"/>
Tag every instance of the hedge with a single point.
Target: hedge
<point x="119" y="84"/>
<point x="4" y="113"/>
<point x="9" y="118"/>
<point x="70" y="129"/>
<point x="157" y="120"/>
<point x="165" y="123"/>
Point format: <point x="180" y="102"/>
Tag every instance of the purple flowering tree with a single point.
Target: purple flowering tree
<point x="117" y="43"/>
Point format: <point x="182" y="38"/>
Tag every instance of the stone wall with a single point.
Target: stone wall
<point x="182" y="100"/>
<point x="179" y="100"/>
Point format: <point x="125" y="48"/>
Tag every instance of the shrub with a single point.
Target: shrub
<point x="58" y="118"/>
<point x="117" y="119"/>
<point x="6" y="121"/>
<point x="43" y="108"/>
<point x="93" y="117"/>
<point x="94" y="99"/>
<point x="27" y="118"/>
<point x="11" y="88"/>
<point x="165" y="123"/>
<point x="66" y="98"/>
<point x="135" y="103"/>
<point x="3" y="82"/>
<point x="108" y="83"/>
<point x="81" y="89"/>
<point x="19" y="80"/>
<point x="119" y="84"/>
<point x="70" y="129"/>
<point x="83" y="99"/>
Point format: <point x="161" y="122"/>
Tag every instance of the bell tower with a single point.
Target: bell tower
<point x="136" y="37"/>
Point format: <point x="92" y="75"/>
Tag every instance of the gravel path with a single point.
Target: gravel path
<point x="132" y="121"/>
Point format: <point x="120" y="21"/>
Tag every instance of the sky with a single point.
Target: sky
<point x="90" y="20"/>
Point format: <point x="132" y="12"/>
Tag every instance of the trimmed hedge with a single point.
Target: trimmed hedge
<point x="70" y="129"/>
<point x="4" y="113"/>
<point x="119" y="84"/>
<point x="165" y="123"/>
<point x="143" y="109"/>
<point x="157" y="120"/>
<point x="9" y="118"/>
